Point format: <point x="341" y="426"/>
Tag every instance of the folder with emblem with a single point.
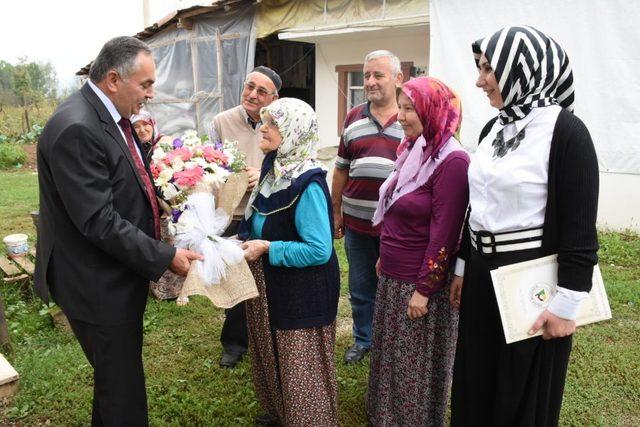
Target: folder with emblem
<point x="525" y="289"/>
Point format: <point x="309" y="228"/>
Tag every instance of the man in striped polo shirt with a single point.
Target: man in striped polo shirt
<point x="366" y="157"/>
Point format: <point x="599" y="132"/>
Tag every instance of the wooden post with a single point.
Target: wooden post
<point x="26" y="113"/>
<point x="4" y="329"/>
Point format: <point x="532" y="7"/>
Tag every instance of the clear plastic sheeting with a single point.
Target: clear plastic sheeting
<point x="199" y="72"/>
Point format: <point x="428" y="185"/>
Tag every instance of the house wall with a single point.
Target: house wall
<point x="410" y="44"/>
<point x="619" y="205"/>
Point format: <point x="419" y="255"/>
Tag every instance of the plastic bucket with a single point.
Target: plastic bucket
<point x="16" y="245"/>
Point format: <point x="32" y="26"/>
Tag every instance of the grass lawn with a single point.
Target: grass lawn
<point x="186" y="387"/>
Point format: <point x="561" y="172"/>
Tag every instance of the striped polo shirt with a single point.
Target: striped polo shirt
<point x="368" y="150"/>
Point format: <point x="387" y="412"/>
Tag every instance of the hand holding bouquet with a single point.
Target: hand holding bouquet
<point x="187" y="171"/>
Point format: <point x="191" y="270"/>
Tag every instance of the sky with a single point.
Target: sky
<point x="69" y="33"/>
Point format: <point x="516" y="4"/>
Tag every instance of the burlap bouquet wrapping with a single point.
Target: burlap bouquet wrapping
<point x="237" y="284"/>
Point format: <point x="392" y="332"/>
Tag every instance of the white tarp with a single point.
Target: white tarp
<point x="603" y="43"/>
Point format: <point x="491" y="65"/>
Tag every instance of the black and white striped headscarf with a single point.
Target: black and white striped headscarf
<point x="531" y="69"/>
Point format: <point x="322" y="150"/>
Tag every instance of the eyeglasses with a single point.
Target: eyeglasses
<point x="250" y="87"/>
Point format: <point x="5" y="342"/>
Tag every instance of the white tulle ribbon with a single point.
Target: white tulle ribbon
<point x="199" y="229"/>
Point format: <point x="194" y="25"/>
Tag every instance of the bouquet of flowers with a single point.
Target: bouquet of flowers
<point x="188" y="171"/>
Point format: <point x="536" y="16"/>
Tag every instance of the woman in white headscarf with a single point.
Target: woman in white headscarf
<point x="533" y="192"/>
<point x="146" y="130"/>
<point x="292" y="323"/>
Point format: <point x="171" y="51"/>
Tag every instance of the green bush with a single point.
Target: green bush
<point x="11" y="156"/>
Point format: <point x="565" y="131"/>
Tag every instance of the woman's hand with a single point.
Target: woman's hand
<point x="455" y="291"/>
<point x="417" y="306"/>
<point x="254" y="249"/>
<point x="378" y="267"/>
<point x="254" y="176"/>
<point x="554" y="326"/>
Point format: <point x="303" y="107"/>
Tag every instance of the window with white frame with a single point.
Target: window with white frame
<point x="355" y="89"/>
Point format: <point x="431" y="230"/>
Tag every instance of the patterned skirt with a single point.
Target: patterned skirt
<point x="411" y="360"/>
<point x="293" y="370"/>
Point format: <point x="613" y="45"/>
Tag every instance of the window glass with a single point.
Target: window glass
<point x="355" y="89"/>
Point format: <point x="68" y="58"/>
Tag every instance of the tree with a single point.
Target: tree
<point x="7" y="97"/>
<point x="26" y="84"/>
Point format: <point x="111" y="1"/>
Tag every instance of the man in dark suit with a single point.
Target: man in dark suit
<point x="99" y="225"/>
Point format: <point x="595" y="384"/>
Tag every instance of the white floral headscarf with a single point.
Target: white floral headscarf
<point x="298" y="126"/>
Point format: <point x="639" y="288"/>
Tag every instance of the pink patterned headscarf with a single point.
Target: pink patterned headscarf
<point x="440" y="112"/>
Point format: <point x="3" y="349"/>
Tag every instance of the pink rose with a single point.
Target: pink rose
<point x="155" y="170"/>
<point x="182" y="152"/>
<point x="212" y="155"/>
<point x="189" y="177"/>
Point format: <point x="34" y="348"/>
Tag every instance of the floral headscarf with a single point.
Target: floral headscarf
<point x="294" y="158"/>
<point x="298" y="125"/>
<point x="440" y="112"/>
<point x="531" y="69"/>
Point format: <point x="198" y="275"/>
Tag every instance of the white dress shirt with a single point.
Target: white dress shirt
<point x="510" y="193"/>
<point x="113" y="112"/>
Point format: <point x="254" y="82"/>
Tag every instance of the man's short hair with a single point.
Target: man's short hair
<point x="393" y="59"/>
<point x="119" y="53"/>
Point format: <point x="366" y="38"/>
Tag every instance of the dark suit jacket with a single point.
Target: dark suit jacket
<point x="96" y="251"/>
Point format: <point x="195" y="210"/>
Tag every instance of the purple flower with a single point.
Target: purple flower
<point x="175" y="215"/>
<point x="177" y="143"/>
<point x="218" y="145"/>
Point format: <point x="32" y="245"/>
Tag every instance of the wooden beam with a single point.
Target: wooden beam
<point x="25" y="263"/>
<point x="7" y="267"/>
<point x="18" y="278"/>
<point x="8" y="378"/>
<point x="185" y="23"/>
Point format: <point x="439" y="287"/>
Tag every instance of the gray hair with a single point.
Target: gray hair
<point x="393" y="59"/>
<point x="121" y="54"/>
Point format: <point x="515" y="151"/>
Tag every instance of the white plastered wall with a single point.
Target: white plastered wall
<point x="409" y="44"/>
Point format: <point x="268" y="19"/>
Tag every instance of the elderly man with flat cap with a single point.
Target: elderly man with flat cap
<point x="241" y="124"/>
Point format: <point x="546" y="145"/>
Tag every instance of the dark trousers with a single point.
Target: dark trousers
<point x="234" y="337"/>
<point x="362" y="253"/>
<point x="115" y="353"/>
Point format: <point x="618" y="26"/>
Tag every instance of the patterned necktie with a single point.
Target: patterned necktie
<point x="125" y="125"/>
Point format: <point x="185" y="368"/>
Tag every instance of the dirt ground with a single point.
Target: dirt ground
<point x="30" y="149"/>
